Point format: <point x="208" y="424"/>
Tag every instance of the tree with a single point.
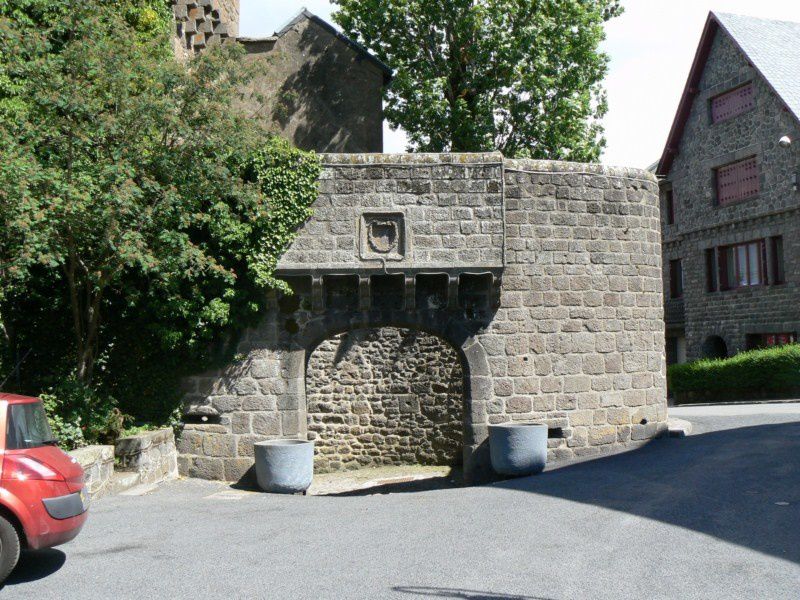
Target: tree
<point x="520" y="76"/>
<point x="132" y="182"/>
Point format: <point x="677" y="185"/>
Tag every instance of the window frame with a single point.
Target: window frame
<point x="777" y="260"/>
<point x="712" y="270"/>
<point x="669" y="205"/>
<point x="676" y="286"/>
<point x="725" y="284"/>
<point x="762" y="340"/>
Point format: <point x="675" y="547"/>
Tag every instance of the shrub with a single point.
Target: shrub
<point x="773" y="371"/>
<point x="79" y="415"/>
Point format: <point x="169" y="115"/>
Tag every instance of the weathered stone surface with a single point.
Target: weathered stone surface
<point x="153" y="454"/>
<point x="98" y="465"/>
<point x="238" y="469"/>
<point x="411" y="366"/>
<point x="385" y="396"/>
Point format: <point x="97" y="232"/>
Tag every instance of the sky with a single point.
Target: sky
<point x="651" y="47"/>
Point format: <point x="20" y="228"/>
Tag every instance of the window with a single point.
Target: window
<point x="669" y="203"/>
<point x="732" y="104"/>
<point x="711" y="270"/>
<point x="738" y="181"/>
<point x="768" y="340"/>
<point x="27" y="427"/>
<point x="778" y="274"/>
<point x="675" y="279"/>
<point x="743" y="265"/>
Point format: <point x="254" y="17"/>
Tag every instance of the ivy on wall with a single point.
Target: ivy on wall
<point x="288" y="177"/>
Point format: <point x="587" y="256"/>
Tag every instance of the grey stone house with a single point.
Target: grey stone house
<point x="438" y="294"/>
<point x="318" y="88"/>
<point x="730" y="206"/>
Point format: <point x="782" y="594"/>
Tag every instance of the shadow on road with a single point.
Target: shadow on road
<point x="739" y="485"/>
<point x="408" y="486"/>
<point x="36" y="564"/>
<point x="462" y="594"/>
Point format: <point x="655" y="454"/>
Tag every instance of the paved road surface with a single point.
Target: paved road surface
<point x="715" y="515"/>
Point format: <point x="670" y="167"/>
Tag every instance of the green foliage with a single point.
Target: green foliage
<point x="79" y="415"/>
<point x="771" y="370"/>
<point x="288" y="177"/>
<point x="143" y="215"/>
<point x="520" y="76"/>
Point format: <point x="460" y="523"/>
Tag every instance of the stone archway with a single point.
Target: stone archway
<point x="715" y="347"/>
<point x="385" y="396"/>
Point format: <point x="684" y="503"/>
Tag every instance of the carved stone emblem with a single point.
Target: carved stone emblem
<point x="383" y="236"/>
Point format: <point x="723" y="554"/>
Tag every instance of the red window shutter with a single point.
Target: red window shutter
<point x="732" y="104"/>
<point x="738" y="181"/>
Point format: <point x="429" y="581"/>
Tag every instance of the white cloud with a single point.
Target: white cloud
<point x="651" y="47"/>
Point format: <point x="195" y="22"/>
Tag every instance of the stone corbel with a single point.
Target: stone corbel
<point x="452" y="292"/>
<point x="317" y="294"/>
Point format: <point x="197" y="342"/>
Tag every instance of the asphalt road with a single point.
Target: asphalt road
<point x="715" y="515"/>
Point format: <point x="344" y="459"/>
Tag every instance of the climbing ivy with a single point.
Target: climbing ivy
<point x="288" y="178"/>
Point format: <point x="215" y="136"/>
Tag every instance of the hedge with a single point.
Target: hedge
<point x="769" y="372"/>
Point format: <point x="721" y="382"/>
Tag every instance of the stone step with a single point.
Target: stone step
<point x="140" y="490"/>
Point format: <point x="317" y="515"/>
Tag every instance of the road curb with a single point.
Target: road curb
<point x="679" y="428"/>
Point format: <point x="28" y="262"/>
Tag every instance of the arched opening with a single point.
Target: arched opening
<point x="715" y="347"/>
<point x="385" y="396"/>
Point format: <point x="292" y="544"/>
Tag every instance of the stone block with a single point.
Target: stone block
<point x="240" y="422"/>
<point x="519" y="404"/>
<point x="602" y="435"/>
<point x="219" y="445"/>
<point x="266" y="424"/>
<point x="239" y="470"/>
<point x="202" y="467"/>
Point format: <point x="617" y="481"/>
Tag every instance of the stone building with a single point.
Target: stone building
<point x="318" y="88"/>
<point x="438" y="294"/>
<point x="729" y="193"/>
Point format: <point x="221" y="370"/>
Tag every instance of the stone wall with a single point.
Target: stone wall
<point x="98" y="465"/>
<point x="152" y="454"/>
<point x="578" y="341"/>
<point x="447" y="212"/>
<point x="545" y="279"/>
<point x="316" y="89"/>
<point x="310" y="83"/>
<point x="701" y="224"/>
<point x="385" y="396"/>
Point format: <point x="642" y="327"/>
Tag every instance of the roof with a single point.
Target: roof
<point x="17" y="399"/>
<point x="361" y="50"/>
<point x="772" y="48"/>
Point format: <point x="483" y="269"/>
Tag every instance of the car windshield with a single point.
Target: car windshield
<point x="27" y="427"/>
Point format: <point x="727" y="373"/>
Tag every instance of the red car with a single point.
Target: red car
<point x="43" y="499"/>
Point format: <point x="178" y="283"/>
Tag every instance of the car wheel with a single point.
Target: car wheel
<point x="9" y="548"/>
